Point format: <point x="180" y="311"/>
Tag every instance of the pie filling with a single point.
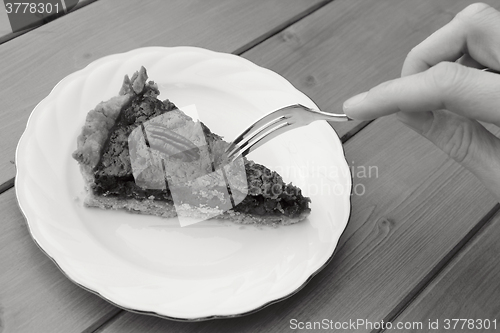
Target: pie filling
<point x="267" y="193"/>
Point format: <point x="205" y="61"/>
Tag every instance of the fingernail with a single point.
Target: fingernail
<point x="355" y="100"/>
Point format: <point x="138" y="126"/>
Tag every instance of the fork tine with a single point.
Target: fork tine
<point x="256" y="141"/>
<point x="266" y="120"/>
<point x="254" y="130"/>
<point x="244" y="140"/>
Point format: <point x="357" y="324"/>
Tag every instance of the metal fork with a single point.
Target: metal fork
<point x="279" y="122"/>
<point x="274" y="124"/>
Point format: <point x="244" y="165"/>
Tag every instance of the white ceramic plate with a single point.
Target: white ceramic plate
<point x="152" y="265"/>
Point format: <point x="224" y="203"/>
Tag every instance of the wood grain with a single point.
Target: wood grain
<point x="5" y="28"/>
<point x="34" y="295"/>
<point x="467" y="289"/>
<point x="39" y="59"/>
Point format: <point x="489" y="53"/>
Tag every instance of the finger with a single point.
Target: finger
<point x="473" y="31"/>
<point x="416" y="118"/>
<point x="466" y="91"/>
<point x="464" y="140"/>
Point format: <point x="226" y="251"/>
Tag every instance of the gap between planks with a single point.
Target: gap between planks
<point x="104" y="321"/>
<point x="436" y="271"/>
<point x="7" y="185"/>
<point x="280" y="27"/>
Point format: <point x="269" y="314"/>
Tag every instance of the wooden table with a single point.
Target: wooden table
<point x="422" y="242"/>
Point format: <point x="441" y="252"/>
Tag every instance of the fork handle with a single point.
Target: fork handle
<point x="322" y="115"/>
<point x="335" y="116"/>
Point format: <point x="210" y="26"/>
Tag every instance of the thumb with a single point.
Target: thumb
<point x="463" y="139"/>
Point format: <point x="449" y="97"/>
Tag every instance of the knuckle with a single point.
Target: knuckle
<point x="473" y="11"/>
<point x="447" y="78"/>
<point x="416" y="60"/>
<point x="414" y="51"/>
<point x="458" y="144"/>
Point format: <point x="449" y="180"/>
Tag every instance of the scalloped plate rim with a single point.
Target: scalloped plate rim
<point x="21" y="201"/>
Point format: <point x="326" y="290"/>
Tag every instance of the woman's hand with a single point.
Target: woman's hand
<point x="442" y="92"/>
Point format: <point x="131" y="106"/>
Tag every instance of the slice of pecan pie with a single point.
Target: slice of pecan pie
<point x="144" y="155"/>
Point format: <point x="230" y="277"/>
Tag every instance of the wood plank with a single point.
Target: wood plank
<point x="467" y="289"/>
<point x="5" y="28"/>
<point x="113" y="26"/>
<point x="411" y="215"/>
<point x="6" y="33"/>
<point x="34" y="295"/>
<point x="393" y="231"/>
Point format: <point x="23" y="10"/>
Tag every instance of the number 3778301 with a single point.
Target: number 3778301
<point x="32" y="8"/>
